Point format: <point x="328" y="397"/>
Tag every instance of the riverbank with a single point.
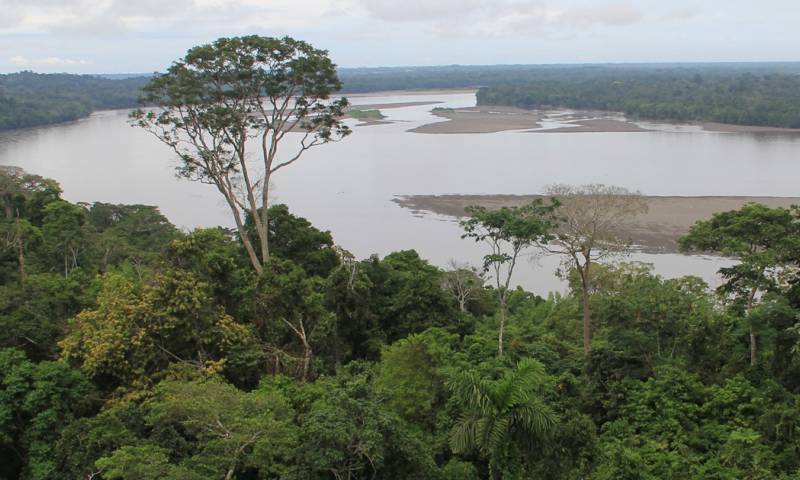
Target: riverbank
<point x="657" y="231"/>
<point x="481" y="120"/>
<point x="492" y="119"/>
<point x="378" y="118"/>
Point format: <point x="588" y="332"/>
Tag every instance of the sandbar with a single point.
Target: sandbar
<point x="657" y="231"/>
<point x="481" y="120"/>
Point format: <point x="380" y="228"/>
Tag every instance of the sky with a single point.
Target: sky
<point x="135" y="36"/>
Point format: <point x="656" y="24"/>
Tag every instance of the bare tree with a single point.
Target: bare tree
<point x="462" y="281"/>
<point x="592" y="219"/>
<point x="237" y="93"/>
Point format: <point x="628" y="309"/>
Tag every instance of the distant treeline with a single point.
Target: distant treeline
<point x="474" y="76"/>
<point x="759" y="96"/>
<point x="741" y="93"/>
<point x="30" y="99"/>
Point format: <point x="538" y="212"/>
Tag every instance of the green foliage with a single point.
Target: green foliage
<point x="138" y="330"/>
<point x="366" y="114"/>
<point x="145" y="462"/>
<point x="33" y="315"/>
<point x="348" y="433"/>
<point x="206" y="429"/>
<point x="762" y="238"/>
<point x="508" y="231"/>
<point x="30" y="99"/>
<point x="407" y="296"/>
<point x="294" y="238"/>
<point x="36" y="401"/>
<point x="137" y="234"/>
<point x="411" y="372"/>
<point x="502" y="417"/>
<point x="727" y="94"/>
<point x="290" y="315"/>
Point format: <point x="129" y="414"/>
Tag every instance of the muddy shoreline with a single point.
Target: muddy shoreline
<point x="492" y="119"/>
<point x="657" y="231"/>
<point x="481" y="120"/>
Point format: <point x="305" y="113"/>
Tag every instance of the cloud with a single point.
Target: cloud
<point x="681" y="14"/>
<point x="503" y="17"/>
<point x="612" y="14"/>
<point x="184" y="16"/>
<point x="415" y="10"/>
<point x="483" y="17"/>
<point x="25" y="62"/>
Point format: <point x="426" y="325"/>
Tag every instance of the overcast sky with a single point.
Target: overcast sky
<point x="120" y="36"/>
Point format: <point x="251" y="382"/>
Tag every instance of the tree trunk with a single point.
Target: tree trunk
<point x="586" y="321"/>
<point x="587" y="315"/>
<point x="753" y="340"/>
<point x="20" y="252"/>
<point x="248" y="246"/>
<point x="307" y="353"/>
<point x="264" y="217"/>
<point x="502" y="326"/>
<point x="231" y="471"/>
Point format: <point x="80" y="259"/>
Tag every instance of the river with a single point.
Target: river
<point x="347" y="187"/>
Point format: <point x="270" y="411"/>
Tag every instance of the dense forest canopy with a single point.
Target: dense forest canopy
<point x="28" y="99"/>
<point x="132" y="350"/>
<point x="474" y="76"/>
<point x="732" y="96"/>
<point x="743" y="93"/>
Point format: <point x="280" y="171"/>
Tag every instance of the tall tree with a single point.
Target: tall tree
<point x="762" y="238"/>
<point x="508" y="231"/>
<point x="592" y="219"/>
<point x="226" y="97"/>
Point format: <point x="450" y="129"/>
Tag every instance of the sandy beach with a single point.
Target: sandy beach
<point x="595" y="126"/>
<point x="481" y="120"/>
<point x="657" y="231"/>
<point x="492" y="119"/>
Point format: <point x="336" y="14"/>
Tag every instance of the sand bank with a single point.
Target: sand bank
<point x="491" y="119"/>
<point x="595" y="125"/>
<point x="481" y="120"/>
<point x="728" y="128"/>
<point x="656" y="231"/>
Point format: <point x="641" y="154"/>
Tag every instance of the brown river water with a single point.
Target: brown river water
<point x="348" y="187"/>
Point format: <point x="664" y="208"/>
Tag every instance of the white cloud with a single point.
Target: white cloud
<point x="611" y="14"/>
<point x="504" y="17"/>
<point x="115" y="16"/>
<point x="25" y="62"/>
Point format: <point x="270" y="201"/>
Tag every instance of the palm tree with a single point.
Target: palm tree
<point x="500" y="414"/>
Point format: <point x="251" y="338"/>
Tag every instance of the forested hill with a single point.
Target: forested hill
<point x="29" y="99"/>
<point x="762" y="97"/>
